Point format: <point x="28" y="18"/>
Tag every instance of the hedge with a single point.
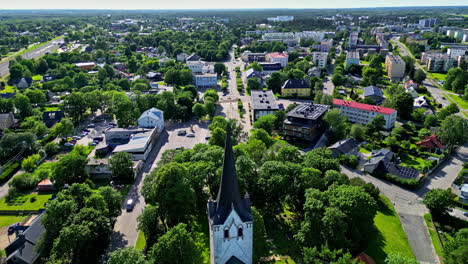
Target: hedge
<point x="406" y="183"/>
<point x="9" y="170"/>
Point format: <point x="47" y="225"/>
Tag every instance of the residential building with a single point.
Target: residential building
<point x="154" y="76"/>
<point x="320" y="59"/>
<point x="296" y="88"/>
<point x="230" y="219"/>
<point x="7" y="120"/>
<point x="353" y="39"/>
<point x="315" y="71"/>
<point x="270" y="67"/>
<point x="252" y="73"/>
<point x="24" y="250"/>
<point x="347" y="146"/>
<point x="305" y="121"/>
<point x="352" y="57"/>
<point x="193" y="57"/>
<point x="200" y="67"/>
<point x="22" y="83"/>
<point x="383" y="43"/>
<point x="263" y="103"/>
<point x="395" y="67"/>
<point x="374" y="93"/>
<point x="250" y="57"/>
<point x="318" y="36"/>
<point x="152" y="118"/>
<point x="182" y="57"/>
<point x="278" y="57"/>
<point x="438" y="62"/>
<point x="207" y="80"/>
<point x="364" y="113"/>
<point x="455" y="52"/>
<point x="85" y="65"/>
<point x="416" y="38"/>
<point x="411" y="88"/>
<point x="51" y="118"/>
<point x="326" y="45"/>
<point x="380" y="165"/>
<point x="464" y="193"/>
<point x="281" y="19"/>
<point x="139" y="145"/>
<point x="100" y="168"/>
<point x="432" y="143"/>
<point x="428" y="22"/>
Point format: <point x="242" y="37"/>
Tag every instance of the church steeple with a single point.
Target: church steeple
<point x="229" y="196"/>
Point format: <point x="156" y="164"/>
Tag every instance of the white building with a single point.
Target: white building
<point x="206" y="80"/>
<point x="229" y="217"/>
<point x="352" y="57"/>
<point x="278" y="57"/>
<point x="139" y="145"/>
<point x="152" y="118"/>
<point x="281" y="19"/>
<point x="315" y="35"/>
<point x="454" y="52"/>
<point x="364" y="113"/>
<point x="320" y="59"/>
<point x="200" y="67"/>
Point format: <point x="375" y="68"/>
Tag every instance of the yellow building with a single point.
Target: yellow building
<point x="296" y="88"/>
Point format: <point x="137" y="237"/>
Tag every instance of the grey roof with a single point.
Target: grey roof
<point x="373" y="91"/>
<point x="308" y="111"/>
<point x="399" y="171"/>
<point x="24" y="246"/>
<point x="229" y="197"/>
<point x="386" y="153"/>
<point x="193" y="57"/>
<point x="344" y="146"/>
<point x="263" y="100"/>
<point x="252" y="73"/>
<point x="296" y="83"/>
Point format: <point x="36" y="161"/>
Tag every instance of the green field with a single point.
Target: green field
<point x="141" y="241"/>
<point x="438" y="76"/>
<point x="24" y="202"/>
<point x="458" y="100"/>
<point x="433" y="234"/>
<point x="389" y="235"/>
<point x="6" y="220"/>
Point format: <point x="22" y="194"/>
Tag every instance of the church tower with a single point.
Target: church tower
<point x="230" y="218"/>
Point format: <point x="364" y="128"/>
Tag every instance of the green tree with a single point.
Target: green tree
<point x="127" y="255"/>
<point x="455" y="250"/>
<point x="175" y="247"/>
<point x="438" y="200"/>
<point x="218" y="136"/>
<point x="419" y="76"/>
<point x="112" y="198"/>
<point x="253" y="84"/>
<point x="266" y="123"/>
<point x="398" y="258"/>
<point x="31" y="162"/>
<point x="321" y="159"/>
<point x="23" y="104"/>
<point x="219" y="68"/>
<point x="376" y="124"/>
<point x="275" y="82"/>
<point x="170" y="190"/>
<point x="75" y="106"/>
<point x="121" y="166"/>
<point x="357" y="131"/>
<point x="453" y="129"/>
<point x="150" y="224"/>
<point x="70" y="169"/>
<point x="36" y="96"/>
<point x="370" y="76"/>
<point x="42" y="66"/>
<point x="260" y="246"/>
<point x="198" y="110"/>
<point x="337" y="123"/>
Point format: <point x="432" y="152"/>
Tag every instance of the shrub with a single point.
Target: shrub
<point x="30" y="163"/>
<point x="25" y="181"/>
<point x="33" y="199"/>
<point x="406" y="183"/>
<point x="351" y="161"/>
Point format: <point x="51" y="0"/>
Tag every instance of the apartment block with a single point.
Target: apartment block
<point x="438" y="62"/>
<point x="395" y="67"/>
<point x="352" y="57"/>
<point x="206" y="80"/>
<point x="364" y="113"/>
<point x="278" y="57"/>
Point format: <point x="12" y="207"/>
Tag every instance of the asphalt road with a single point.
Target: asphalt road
<point x="408" y="204"/>
<point x="125" y="232"/>
<point x="4" y="66"/>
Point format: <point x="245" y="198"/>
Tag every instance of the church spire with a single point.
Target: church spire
<point x="229" y="196"/>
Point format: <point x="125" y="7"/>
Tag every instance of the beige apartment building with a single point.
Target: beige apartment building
<point x="395" y="67"/>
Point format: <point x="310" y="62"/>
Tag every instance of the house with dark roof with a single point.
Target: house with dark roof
<point x="47" y="78"/>
<point x="305" y="121"/>
<point x="421" y="102"/>
<point x="23" y="249"/>
<point x="315" y="71"/>
<point x="347" y="146"/>
<point x="374" y="93"/>
<point x="193" y="57"/>
<point x="22" y="83"/>
<point x="385" y="161"/>
<point x="432" y="143"/>
<point x="263" y="103"/>
<point x="7" y="120"/>
<point x="252" y="73"/>
<point x="154" y="76"/>
<point x="296" y="88"/>
<point x="51" y="118"/>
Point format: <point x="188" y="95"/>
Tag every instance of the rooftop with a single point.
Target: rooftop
<point x="296" y="83"/>
<point x="395" y="59"/>
<point x="366" y="107"/>
<point x="309" y="111"/>
<point x="277" y="55"/>
<point x="372" y="90"/>
<point x="263" y="99"/>
<point x="352" y="55"/>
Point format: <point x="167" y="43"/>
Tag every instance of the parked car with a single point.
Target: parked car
<point x="182" y="133"/>
<point x="191" y="135"/>
<point x="130" y="205"/>
<point x="98" y="139"/>
<point x="76" y="137"/>
<point x="91" y="126"/>
<point x="207" y="138"/>
<point x="68" y="144"/>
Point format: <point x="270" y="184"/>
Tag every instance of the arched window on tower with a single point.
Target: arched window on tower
<point x="240" y="232"/>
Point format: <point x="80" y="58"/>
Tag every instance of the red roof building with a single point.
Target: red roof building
<point x="432" y="142"/>
<point x="364" y="113"/>
<point x="278" y="57"/>
<point x="45" y="186"/>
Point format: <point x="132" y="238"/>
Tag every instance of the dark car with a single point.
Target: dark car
<point x="182" y="133"/>
<point x="191" y="135"/>
<point x="91" y="126"/>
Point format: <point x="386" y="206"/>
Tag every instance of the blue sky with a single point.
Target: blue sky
<point x="215" y="4"/>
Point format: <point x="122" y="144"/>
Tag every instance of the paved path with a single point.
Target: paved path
<point x="409" y="206"/>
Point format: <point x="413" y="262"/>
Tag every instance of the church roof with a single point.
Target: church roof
<point x="229" y="196"/>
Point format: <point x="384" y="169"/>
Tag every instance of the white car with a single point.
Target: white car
<point x="130" y="205"/>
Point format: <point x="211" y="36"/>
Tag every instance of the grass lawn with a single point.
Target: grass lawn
<point x="363" y="150"/>
<point x="6" y="220"/>
<point x="141" y="241"/>
<point x="8" y="89"/>
<point x="414" y="162"/>
<point x="24" y="202"/>
<point x="433" y="234"/>
<point x="438" y="76"/>
<point x="458" y="100"/>
<point x="51" y="108"/>
<point x="389" y="235"/>
<point x="37" y="77"/>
